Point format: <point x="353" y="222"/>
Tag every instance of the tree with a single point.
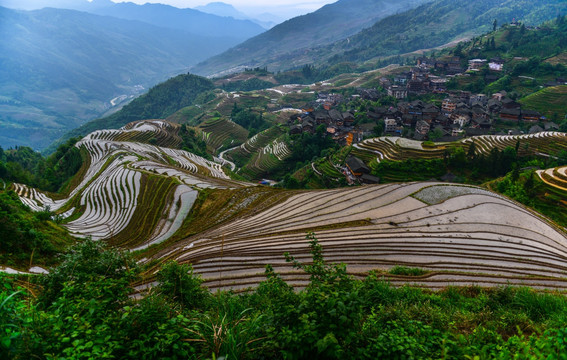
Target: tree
<point x="494" y="25"/>
<point x="471" y="153"/>
<point x="378" y="130"/>
<point x="435" y="134"/>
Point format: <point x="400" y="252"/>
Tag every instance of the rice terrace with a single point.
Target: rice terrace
<point x="169" y="204"/>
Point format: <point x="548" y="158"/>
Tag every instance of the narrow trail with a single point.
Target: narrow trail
<point x="221" y="156"/>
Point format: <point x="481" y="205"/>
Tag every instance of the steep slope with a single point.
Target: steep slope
<point x="276" y="47"/>
<point x="59" y="68"/>
<point x="437" y="23"/>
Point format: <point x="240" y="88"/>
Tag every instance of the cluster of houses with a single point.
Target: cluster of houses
<point x="339" y="125"/>
<point x="419" y="80"/>
<point x="460" y="114"/>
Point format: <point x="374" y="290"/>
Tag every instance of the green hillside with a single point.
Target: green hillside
<point x="28" y="238"/>
<point x="440" y="22"/>
<point x="552" y="102"/>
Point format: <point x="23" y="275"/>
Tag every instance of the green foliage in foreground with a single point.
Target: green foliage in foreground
<point x="28" y="237"/>
<point x="84" y="311"/>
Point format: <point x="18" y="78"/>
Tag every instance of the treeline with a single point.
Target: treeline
<point x="83" y="310"/>
<point x="158" y="103"/>
<point x="309" y="73"/>
<point x="247" y="85"/>
<point x="23" y="165"/>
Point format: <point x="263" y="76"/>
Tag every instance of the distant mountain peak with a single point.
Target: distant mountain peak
<point x="222" y="9"/>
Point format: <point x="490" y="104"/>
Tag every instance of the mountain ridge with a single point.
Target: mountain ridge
<point x="333" y="21"/>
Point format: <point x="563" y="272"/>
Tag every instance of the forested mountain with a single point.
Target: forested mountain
<point x="438" y="23"/>
<point x="279" y="47"/>
<point x="431" y="24"/>
<point x="60" y="68"/>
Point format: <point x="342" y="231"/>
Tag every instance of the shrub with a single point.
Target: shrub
<point x="180" y="284"/>
<point x="407" y="271"/>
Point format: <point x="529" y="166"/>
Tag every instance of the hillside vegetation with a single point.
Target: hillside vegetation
<point x="440" y="22"/>
<point x="549" y="101"/>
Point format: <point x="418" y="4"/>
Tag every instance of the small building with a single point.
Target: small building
<point x="348" y="118"/>
<point x="438" y="85"/>
<point x="397" y="91"/>
<point x="422" y="127"/>
<point x="510" y="114"/>
<point x="307" y="126"/>
<point x="508" y="103"/>
<point x="462" y="120"/>
<point x="356" y="166"/>
<point x="369" y="179"/>
<point x="449" y="105"/>
<point x="551" y="126"/>
<point x="296" y="129"/>
<point x="535" y="129"/>
<point x="531" y="116"/>
<point x="390" y="126"/>
<point x="496" y="64"/>
<point x="476" y="64"/>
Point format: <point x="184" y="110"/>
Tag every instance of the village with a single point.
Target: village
<point x="456" y="115"/>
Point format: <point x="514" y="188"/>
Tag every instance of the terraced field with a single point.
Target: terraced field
<point x="556" y="177"/>
<point x="399" y="149"/>
<point x="132" y="193"/>
<point x="327" y="168"/>
<point x="217" y="132"/>
<point x="458" y="234"/>
<point x="550" y="101"/>
<point x="135" y="195"/>
<point x="261" y="153"/>
<point x="265" y="159"/>
<point x="156" y="132"/>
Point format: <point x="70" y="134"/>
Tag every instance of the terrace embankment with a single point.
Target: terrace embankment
<point x="458" y="234"/>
